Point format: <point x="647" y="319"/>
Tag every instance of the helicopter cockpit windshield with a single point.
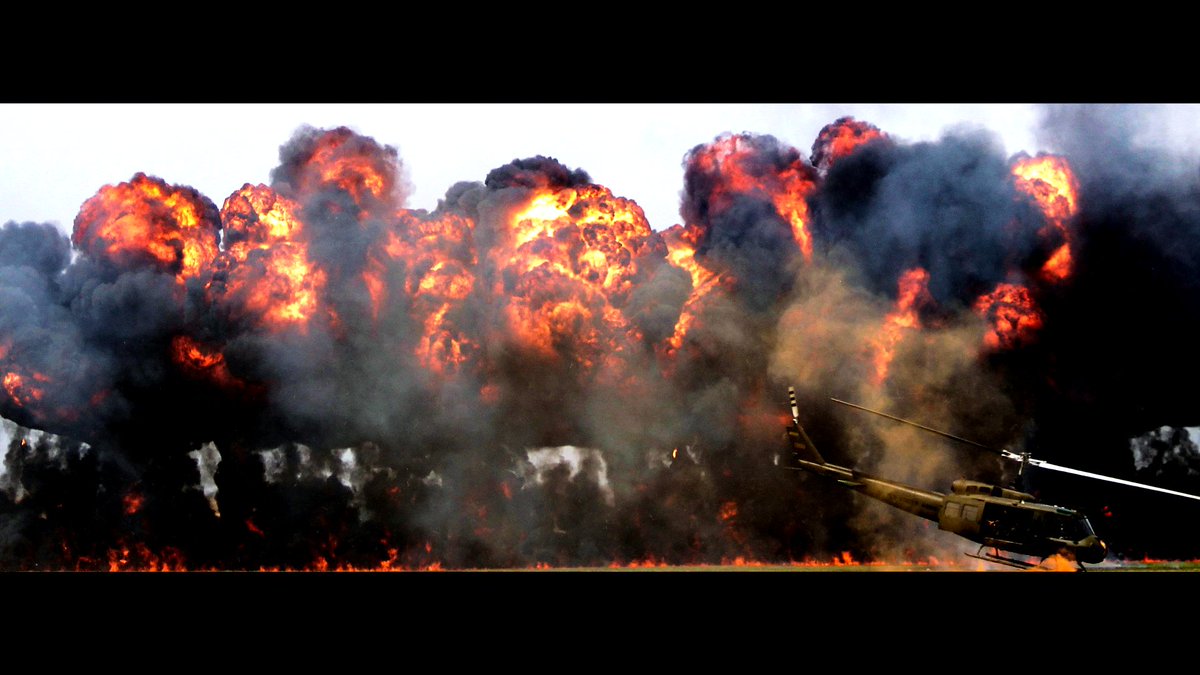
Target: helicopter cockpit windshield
<point x="1082" y="527"/>
<point x="1072" y="525"/>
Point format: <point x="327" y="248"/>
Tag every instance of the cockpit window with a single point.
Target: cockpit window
<point x="1084" y="527"/>
<point x="1074" y="528"/>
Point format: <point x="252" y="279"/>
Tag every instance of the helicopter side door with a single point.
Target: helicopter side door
<point x="961" y="515"/>
<point x="1003" y="524"/>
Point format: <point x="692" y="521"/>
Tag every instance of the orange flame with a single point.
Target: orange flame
<point x="1059" y="265"/>
<point x="20" y="391"/>
<point x="251" y="527"/>
<point x="913" y="290"/>
<point x="438" y="258"/>
<point x="732" y="158"/>
<point x="681" y="253"/>
<point x="649" y="561"/>
<point x="34" y="390"/>
<point x="145" y="220"/>
<point x="791" y="201"/>
<point x="1048" y="179"/>
<point x="567" y="263"/>
<point x="729" y="511"/>
<point x="840" y="138"/>
<point x="607" y="234"/>
<point x="139" y="558"/>
<point x="270" y="276"/>
<point x="1013" y="313"/>
<point x="202" y="361"/>
<point x="344" y="160"/>
<point x="256" y="217"/>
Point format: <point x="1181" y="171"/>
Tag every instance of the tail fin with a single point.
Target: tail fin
<point x="802" y="445"/>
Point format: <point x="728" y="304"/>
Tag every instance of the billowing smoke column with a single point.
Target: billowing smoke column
<point x="312" y="376"/>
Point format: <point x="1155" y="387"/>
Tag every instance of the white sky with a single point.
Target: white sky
<point x="54" y="157"/>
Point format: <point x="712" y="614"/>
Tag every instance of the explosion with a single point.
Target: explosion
<point x="146" y="221"/>
<point x="745" y="166"/>
<point x="840" y="138"/>
<point x="315" y="376"/>
<point x="568" y="260"/>
<point x="1013" y="311"/>
<point x="202" y="361"/>
<point x="268" y="273"/>
<point x="19" y="390"/>
<point x="1049" y="181"/>
<point x="681" y="247"/>
<point x="1014" y="317"/>
<point x="440" y="258"/>
<point x="913" y="287"/>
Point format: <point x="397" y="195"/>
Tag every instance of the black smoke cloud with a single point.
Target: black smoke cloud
<point x="1115" y="360"/>
<point x="1136" y="297"/>
<point x="748" y="237"/>
<point x="949" y="207"/>
<point x="48" y="315"/>
<point x="339" y="446"/>
<point x="535" y="172"/>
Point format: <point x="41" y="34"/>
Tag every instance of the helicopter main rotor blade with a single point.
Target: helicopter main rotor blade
<point x="952" y="437"/>
<point x="1023" y="458"/>
<point x="1066" y="469"/>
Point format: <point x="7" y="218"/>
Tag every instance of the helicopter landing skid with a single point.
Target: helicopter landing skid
<point x="995" y="557"/>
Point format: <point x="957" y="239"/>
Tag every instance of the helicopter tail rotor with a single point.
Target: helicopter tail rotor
<point x="802" y="446"/>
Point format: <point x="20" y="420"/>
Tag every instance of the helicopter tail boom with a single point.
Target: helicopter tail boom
<point x="805" y="457"/>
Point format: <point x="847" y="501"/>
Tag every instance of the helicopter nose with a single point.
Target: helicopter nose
<point x="1094" y="550"/>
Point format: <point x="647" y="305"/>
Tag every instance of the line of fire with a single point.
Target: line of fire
<point x="312" y="376"/>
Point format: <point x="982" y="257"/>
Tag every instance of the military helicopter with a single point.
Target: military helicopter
<point x="997" y="518"/>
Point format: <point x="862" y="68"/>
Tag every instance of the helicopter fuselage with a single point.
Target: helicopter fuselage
<point x="989" y="515"/>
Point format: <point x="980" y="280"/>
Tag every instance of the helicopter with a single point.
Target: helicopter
<point x="1001" y="519"/>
